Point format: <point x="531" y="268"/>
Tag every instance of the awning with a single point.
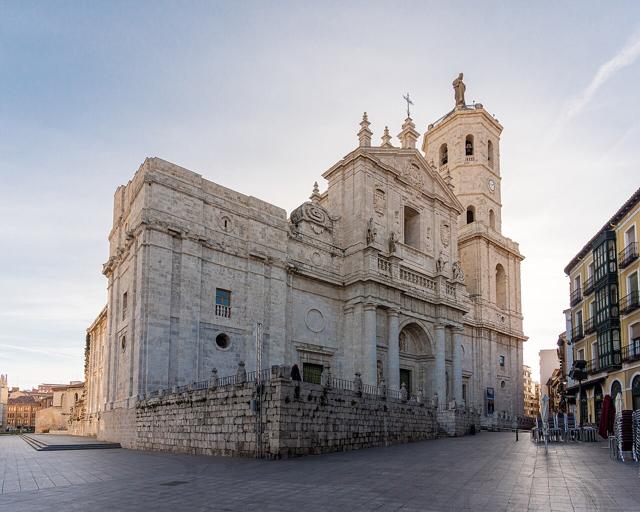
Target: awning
<point x="573" y="390"/>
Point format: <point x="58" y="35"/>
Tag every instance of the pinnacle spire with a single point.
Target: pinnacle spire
<point x="315" y="195"/>
<point x="408" y="136"/>
<point x="364" y="135"/>
<point x="386" y="138"/>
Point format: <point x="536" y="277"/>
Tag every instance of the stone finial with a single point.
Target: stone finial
<point x="403" y="392"/>
<point x="364" y="135"/>
<point x="386" y="139"/>
<point x="241" y="373"/>
<point x="213" y="380"/>
<point x="408" y="136"/>
<point x="325" y="376"/>
<point x="382" y="387"/>
<point x="315" y="195"/>
<point x="357" y="384"/>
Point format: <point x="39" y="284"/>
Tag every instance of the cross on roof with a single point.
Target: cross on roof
<point x="409" y="102"/>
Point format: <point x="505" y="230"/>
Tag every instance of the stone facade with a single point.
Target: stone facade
<point x="316" y="419"/>
<point x="531" y="393"/>
<point x="57" y="414"/>
<point x="367" y="276"/>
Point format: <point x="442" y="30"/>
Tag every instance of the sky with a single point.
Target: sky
<point x="262" y="97"/>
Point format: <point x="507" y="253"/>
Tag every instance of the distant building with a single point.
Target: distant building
<point x="58" y="409"/>
<point x="548" y="362"/>
<point x="4" y="399"/>
<point x="604" y="314"/>
<point x="531" y="393"/>
<point x="21" y="412"/>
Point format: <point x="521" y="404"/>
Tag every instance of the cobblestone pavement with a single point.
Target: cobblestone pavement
<point x="488" y="472"/>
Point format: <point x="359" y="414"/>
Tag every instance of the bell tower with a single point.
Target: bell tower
<point x="464" y="147"/>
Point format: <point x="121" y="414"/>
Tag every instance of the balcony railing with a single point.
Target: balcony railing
<point x="576" y="297"/>
<point x="630" y="303"/>
<point x="589" y="326"/>
<point x="631" y="352"/>
<point x="628" y="254"/>
<point x="588" y="286"/>
<point x="577" y="333"/>
<point x="605" y="362"/>
<point x="223" y="311"/>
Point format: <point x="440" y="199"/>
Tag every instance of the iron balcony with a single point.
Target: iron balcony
<point x="630" y="303"/>
<point x="576" y="297"/>
<point x="588" y="286"/>
<point x="631" y="352"/>
<point x="577" y="333"/>
<point x="589" y="326"/>
<point x="607" y="362"/>
<point x="627" y="255"/>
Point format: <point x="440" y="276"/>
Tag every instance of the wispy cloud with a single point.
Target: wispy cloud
<point x="625" y="57"/>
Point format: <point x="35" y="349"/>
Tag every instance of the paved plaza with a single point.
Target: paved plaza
<point x="488" y="472"/>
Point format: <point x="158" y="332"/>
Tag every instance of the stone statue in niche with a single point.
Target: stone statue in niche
<point x="380" y="371"/>
<point x="441" y="263"/>
<point x="378" y="201"/>
<point x="458" y="273"/>
<point x="392" y="242"/>
<point x="445" y="233"/>
<point x="371" y="232"/>
<point x="429" y="241"/>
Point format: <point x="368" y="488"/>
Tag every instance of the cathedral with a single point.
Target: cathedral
<point x="397" y="270"/>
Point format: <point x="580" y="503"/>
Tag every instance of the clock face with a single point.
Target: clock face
<point x="492" y="185"/>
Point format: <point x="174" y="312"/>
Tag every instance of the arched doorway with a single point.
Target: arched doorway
<point x="416" y="360"/>
<point x="616" y="389"/>
<point x="635" y="392"/>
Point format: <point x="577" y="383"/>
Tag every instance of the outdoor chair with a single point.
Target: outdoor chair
<point x="561" y="426"/>
<point x="570" y="427"/>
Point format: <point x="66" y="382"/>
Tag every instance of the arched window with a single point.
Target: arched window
<point x="635" y="392"/>
<point x="490" y="153"/>
<point x="501" y="287"/>
<point x="492" y="219"/>
<point x="444" y="155"/>
<point x="468" y="145"/>
<point x="471" y="214"/>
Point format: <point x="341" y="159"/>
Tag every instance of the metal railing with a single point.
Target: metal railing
<point x="577" y="333"/>
<point x="630" y="302"/>
<point x="241" y="377"/>
<point x="604" y="362"/>
<point x="589" y="326"/>
<point x="576" y="297"/>
<point x="628" y="254"/>
<point x="588" y="286"/>
<point x="631" y="352"/>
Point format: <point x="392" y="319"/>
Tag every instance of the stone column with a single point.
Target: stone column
<point x="393" y="363"/>
<point x="457" y="365"/>
<point x="369" y="372"/>
<point x="440" y="373"/>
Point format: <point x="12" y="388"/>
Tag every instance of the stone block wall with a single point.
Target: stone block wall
<point x="220" y="421"/>
<point x="458" y="421"/>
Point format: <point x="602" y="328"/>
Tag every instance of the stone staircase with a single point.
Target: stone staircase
<point x="51" y="442"/>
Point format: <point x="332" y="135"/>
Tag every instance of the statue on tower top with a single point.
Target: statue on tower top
<point x="459" y="88"/>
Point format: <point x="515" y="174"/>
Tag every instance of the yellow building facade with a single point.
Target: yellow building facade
<point x="604" y="315"/>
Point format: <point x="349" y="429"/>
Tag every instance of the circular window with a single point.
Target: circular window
<point x="222" y="341"/>
<point x="503" y="384"/>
